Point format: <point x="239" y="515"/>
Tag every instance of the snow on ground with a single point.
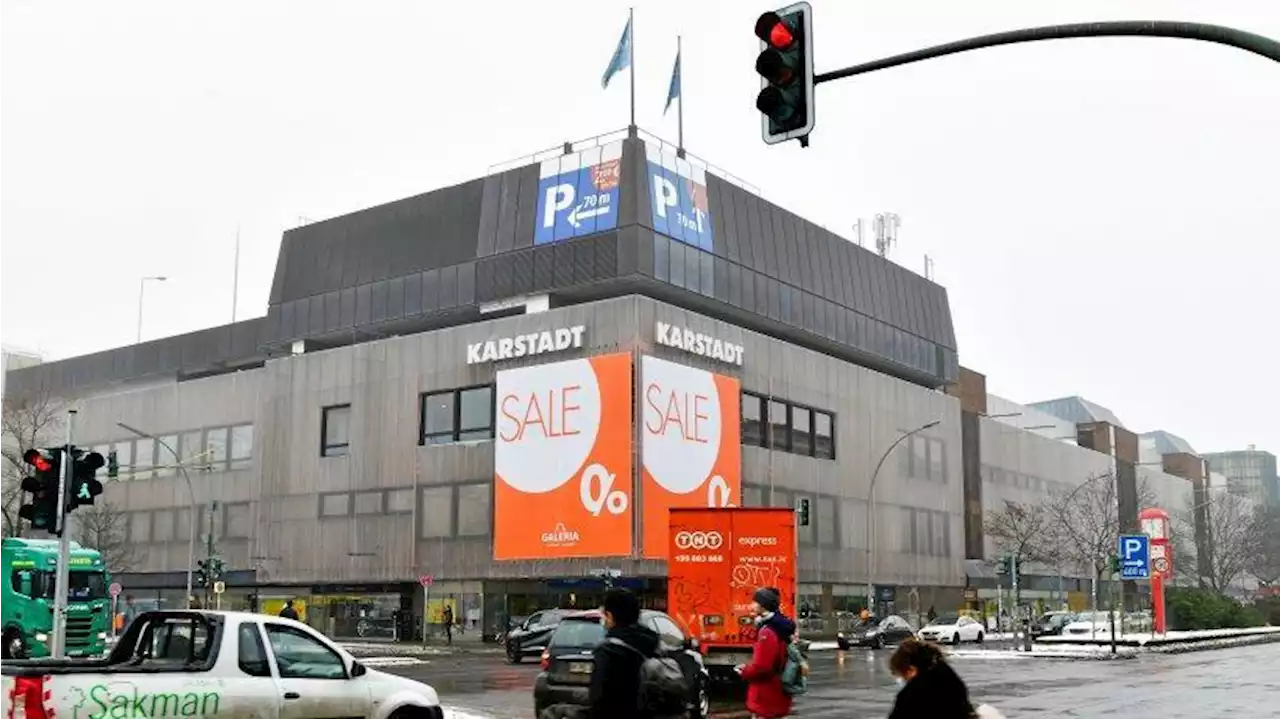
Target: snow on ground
<point x="378" y="662"/>
<point x="1167" y="638"/>
<point x="457" y="713"/>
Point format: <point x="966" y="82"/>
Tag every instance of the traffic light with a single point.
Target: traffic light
<point x="202" y="574"/>
<point x="215" y="570"/>
<point x="785" y="65"/>
<point x="802" y="512"/>
<point x="113" y="465"/>
<point x="1005" y="566"/>
<point x="42" y="484"/>
<point x="84" y="484"/>
<point x="1113" y="564"/>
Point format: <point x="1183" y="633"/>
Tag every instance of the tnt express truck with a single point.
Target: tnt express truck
<point x="716" y="560"/>
<point x="29" y="569"/>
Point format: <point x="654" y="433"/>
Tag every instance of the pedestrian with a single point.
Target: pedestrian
<point x="289" y="612"/>
<point x="932" y="615"/>
<point x="447" y="616"/>
<point x="930" y="688"/>
<point x="615" y="677"/>
<point x="766" y="698"/>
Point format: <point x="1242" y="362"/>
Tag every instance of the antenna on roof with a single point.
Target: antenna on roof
<point x="928" y="267"/>
<point x="886" y="229"/>
<point x="857" y="232"/>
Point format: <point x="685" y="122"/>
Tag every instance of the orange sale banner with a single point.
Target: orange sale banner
<point x="562" y="460"/>
<point x="691" y="451"/>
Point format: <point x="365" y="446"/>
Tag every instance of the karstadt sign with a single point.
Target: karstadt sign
<point x="525" y="345"/>
<point x="697" y="343"/>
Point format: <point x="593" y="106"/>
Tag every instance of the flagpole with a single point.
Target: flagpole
<point x="680" y="110"/>
<point x="631" y="22"/>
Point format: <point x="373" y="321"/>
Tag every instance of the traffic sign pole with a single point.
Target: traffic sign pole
<point x="425" y="580"/>
<point x="62" y="581"/>
<point x="114" y="591"/>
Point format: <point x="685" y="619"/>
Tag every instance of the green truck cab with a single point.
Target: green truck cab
<point x="29" y="576"/>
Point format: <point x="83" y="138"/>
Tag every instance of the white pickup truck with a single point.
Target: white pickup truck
<point x="214" y="664"/>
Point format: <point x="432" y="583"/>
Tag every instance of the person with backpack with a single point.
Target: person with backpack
<point x="629" y="675"/>
<point x="775" y="660"/>
<point x="931" y="689"/>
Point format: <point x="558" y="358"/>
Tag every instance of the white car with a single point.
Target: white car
<point x="953" y="629"/>
<point x="234" y="664"/>
<point x="1094" y="625"/>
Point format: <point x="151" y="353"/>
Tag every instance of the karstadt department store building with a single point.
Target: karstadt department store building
<point x="343" y="445"/>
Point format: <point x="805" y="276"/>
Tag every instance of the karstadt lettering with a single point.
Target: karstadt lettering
<point x="526" y="345"/>
<point x="697" y="343"/>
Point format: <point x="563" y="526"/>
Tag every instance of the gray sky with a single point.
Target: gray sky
<point x="1103" y="212"/>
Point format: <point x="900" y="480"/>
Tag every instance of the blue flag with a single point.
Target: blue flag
<point x="621" y="59"/>
<point x="673" y="92"/>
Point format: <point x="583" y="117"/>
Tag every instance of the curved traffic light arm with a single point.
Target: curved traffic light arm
<point x="1248" y="41"/>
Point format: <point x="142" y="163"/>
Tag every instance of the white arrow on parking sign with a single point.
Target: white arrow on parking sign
<point x="579" y="213"/>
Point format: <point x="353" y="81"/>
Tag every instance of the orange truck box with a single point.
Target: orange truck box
<point x="717" y="559"/>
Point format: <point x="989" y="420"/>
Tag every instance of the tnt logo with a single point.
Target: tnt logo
<point x="678" y="194"/>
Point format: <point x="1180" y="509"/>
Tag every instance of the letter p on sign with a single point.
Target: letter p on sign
<point x="664" y="195"/>
<point x="1132" y="547"/>
<point x="559" y="198"/>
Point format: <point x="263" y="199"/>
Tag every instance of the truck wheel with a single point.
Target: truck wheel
<point x="15" y="647"/>
<point x="412" y="712"/>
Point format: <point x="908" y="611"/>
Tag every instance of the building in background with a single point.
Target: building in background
<point x="1250" y="472"/>
<point x="15" y="359"/>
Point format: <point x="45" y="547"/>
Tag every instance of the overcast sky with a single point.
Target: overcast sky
<point x="1103" y="213"/>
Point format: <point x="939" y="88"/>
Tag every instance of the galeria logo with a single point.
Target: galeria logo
<point x="561" y="536"/>
<point x="699" y="540"/>
<point x="758" y="541"/>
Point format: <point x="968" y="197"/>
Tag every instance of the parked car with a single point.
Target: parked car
<point x="567" y="660"/>
<point x="954" y="629"/>
<point x="1095" y="625"/>
<point x="1050" y="624"/>
<point x="875" y="633"/>
<point x="530" y="637"/>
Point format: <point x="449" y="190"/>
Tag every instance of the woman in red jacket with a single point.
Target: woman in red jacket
<point x="763" y="674"/>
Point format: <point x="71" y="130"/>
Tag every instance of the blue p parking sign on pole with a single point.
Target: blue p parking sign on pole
<point x="1134" y="551"/>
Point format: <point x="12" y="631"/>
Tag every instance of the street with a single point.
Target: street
<point x="1237" y="683"/>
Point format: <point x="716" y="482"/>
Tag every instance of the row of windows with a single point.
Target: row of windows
<point x="787" y="427"/>
<point x="446" y="417"/>
<point x="1018" y="480"/>
<point x="462" y="510"/>
<point x="211" y="449"/>
<point x="230" y="521"/>
<point x="926" y="459"/>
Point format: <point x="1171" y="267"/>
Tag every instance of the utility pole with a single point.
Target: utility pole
<point x="208" y="554"/>
<point x="62" y="581"/>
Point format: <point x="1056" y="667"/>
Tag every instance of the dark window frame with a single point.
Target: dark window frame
<point x="326" y="449"/>
<point x="761" y="405"/>
<point x="455" y="433"/>
<point x="766" y="406"/>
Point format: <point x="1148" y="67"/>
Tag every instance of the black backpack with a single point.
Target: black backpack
<point x="664" y="689"/>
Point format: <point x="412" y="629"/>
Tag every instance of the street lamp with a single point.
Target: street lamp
<point x="142" y="290"/>
<point x="191" y="542"/>
<point x="871" y="509"/>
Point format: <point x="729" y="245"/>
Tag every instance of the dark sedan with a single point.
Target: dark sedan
<point x="875" y="633"/>
<point x="1050" y="624"/>
<point x="529" y="638"/>
<point x="567" y="661"/>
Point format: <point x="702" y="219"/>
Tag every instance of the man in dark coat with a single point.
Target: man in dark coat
<point x="615" y="675"/>
<point x="289" y="612"/>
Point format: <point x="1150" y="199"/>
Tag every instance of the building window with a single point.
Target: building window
<point x="238" y="521"/>
<point x="162" y="526"/>
<point x="369" y="502"/>
<point x="215" y="449"/>
<point x="140" y="527"/>
<point x="802" y="431"/>
<point x="437" y="512"/>
<point x="474" y="509"/>
<point x="779" y="428"/>
<point x="166" y="461"/>
<point x="458" y="415"/>
<point x="400" y="501"/>
<point x="335" y="430"/>
<point x="144" y="458"/>
<point x="824" y="440"/>
<point x="241" y="446"/>
<point x="124" y="457"/>
<point x="190" y="446"/>
<point x="791" y="427"/>
<point x="335" y="505"/>
<point x="752" y="420"/>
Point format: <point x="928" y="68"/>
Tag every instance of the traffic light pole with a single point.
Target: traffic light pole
<point x="1247" y="41"/>
<point x="62" y="521"/>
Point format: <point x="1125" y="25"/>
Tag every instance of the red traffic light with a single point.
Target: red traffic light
<point x="771" y="29"/>
<point x="36" y="458"/>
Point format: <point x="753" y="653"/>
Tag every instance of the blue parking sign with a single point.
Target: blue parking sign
<point x="678" y="199"/>
<point x="578" y="194"/>
<point x="1134" y="552"/>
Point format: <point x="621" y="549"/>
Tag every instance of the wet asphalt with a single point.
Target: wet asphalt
<point x="1235" y="683"/>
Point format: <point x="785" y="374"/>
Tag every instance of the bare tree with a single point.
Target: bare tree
<point x="1084" y="523"/>
<point x="1020" y="529"/>
<point x="1234" y="543"/>
<point x="24" y="424"/>
<point x="102" y="526"/>
<point x="1264" y="565"/>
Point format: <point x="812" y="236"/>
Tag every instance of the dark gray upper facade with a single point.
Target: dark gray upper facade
<point x="432" y="260"/>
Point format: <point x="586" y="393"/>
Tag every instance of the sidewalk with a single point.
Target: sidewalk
<point x="436" y="645"/>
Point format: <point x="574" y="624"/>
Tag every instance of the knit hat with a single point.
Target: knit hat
<point x="767" y="598"/>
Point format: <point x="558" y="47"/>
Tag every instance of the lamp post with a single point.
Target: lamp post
<point x="142" y="291"/>
<point x="871" y="494"/>
<point x="191" y="542"/>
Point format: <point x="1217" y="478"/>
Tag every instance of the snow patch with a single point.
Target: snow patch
<point x="458" y="713"/>
<point x="375" y="662"/>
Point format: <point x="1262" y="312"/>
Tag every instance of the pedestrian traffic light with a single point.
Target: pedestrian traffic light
<point x="42" y="484"/>
<point x="84" y="482"/>
<point x="785" y="65"/>
<point x="1005" y="565"/>
<point x="802" y="512"/>
<point x="214" y="570"/>
<point x="202" y="574"/>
